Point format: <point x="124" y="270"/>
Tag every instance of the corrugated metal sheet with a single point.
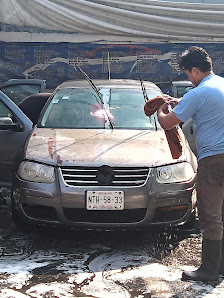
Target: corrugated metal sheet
<point x="107" y="20"/>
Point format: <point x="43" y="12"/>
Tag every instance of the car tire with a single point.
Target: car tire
<point x="18" y="221"/>
<point x="192" y="225"/>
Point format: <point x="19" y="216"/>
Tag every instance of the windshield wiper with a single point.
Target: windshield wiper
<point x="146" y="98"/>
<point x="96" y="91"/>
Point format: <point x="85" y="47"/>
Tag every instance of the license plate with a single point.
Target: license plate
<point x="105" y="200"/>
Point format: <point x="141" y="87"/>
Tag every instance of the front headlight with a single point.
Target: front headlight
<point x="36" y="172"/>
<point x="178" y="172"/>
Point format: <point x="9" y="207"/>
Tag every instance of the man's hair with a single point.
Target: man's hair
<point x="195" y="57"/>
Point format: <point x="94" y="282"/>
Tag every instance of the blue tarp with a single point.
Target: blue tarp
<point x="55" y="62"/>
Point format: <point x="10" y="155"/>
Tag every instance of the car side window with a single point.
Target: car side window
<point x="182" y="90"/>
<point x="5" y="111"/>
<point x="18" y="92"/>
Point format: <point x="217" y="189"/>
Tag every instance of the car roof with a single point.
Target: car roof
<point x="182" y="83"/>
<point x="119" y="83"/>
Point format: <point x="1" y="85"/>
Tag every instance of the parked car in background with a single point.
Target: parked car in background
<point x="18" y="89"/>
<point x="95" y="161"/>
<point x="179" y="88"/>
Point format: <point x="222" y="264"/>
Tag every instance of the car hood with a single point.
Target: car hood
<point x="95" y="147"/>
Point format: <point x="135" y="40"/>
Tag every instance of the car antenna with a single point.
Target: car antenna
<point x="146" y="98"/>
<point x="96" y="90"/>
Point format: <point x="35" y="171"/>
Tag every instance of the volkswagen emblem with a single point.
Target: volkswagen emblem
<point x="105" y="175"/>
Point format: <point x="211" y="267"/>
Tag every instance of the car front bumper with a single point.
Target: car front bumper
<point x="57" y="204"/>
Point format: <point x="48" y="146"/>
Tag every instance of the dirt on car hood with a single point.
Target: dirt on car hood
<point x="95" y="147"/>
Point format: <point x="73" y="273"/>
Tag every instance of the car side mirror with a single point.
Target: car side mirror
<point x="6" y="123"/>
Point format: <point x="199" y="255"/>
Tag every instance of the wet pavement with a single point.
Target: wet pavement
<point x="55" y="263"/>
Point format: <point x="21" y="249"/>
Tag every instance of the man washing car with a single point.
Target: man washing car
<point x="205" y="105"/>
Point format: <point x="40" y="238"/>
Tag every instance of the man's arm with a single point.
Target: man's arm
<point x="167" y="121"/>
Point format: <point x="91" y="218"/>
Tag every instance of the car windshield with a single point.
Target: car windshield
<point x="82" y="108"/>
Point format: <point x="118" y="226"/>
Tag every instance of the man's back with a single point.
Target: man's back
<point x="205" y="105"/>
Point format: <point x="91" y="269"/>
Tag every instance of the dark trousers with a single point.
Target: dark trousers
<point x="210" y="196"/>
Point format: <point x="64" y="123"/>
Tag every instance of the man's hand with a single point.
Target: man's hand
<point x="171" y="100"/>
<point x="164" y="108"/>
<point x="167" y="97"/>
<point x="167" y="119"/>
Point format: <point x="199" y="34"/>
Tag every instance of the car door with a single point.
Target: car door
<point x="179" y="88"/>
<point x="15" y="127"/>
<point x="18" y="89"/>
<point x="188" y="130"/>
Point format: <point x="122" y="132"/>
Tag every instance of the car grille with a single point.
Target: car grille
<point x="105" y="216"/>
<point x="168" y="215"/>
<point x="40" y="212"/>
<point x="88" y="176"/>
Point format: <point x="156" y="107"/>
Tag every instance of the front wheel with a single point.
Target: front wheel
<point x="18" y="221"/>
<point x="192" y="225"/>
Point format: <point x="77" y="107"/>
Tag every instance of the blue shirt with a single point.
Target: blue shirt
<point x="205" y="105"/>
